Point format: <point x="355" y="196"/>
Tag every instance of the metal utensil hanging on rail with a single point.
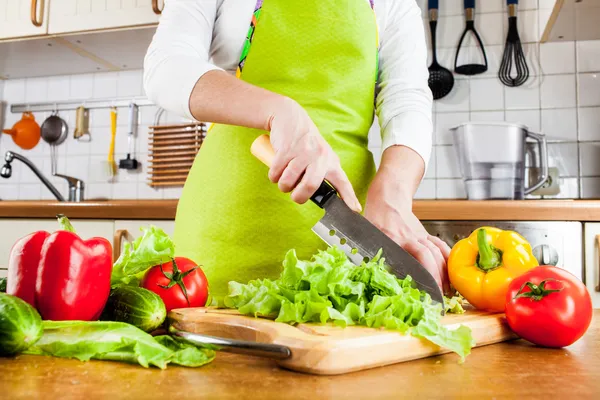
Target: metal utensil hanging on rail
<point x="470" y="69"/>
<point x="441" y="80"/>
<point x="513" y="58"/>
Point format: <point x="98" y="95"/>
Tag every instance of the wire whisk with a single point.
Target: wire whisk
<point x="513" y="68"/>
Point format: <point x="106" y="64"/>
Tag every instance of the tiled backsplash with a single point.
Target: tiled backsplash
<point x="561" y="99"/>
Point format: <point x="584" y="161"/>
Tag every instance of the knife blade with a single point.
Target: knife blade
<point x="355" y="235"/>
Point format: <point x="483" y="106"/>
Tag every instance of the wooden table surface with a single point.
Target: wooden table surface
<point x="431" y="210"/>
<point x="514" y="369"/>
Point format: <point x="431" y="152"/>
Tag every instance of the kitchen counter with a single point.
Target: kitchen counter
<point x="507" y="370"/>
<point x="525" y="210"/>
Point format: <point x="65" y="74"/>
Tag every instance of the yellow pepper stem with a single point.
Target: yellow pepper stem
<point x="489" y="258"/>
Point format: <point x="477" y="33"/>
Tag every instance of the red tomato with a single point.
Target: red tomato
<point x="180" y="283"/>
<point x="548" y="306"/>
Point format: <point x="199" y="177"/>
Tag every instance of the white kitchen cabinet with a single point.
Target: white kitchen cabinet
<point x="570" y="20"/>
<point x="13" y="229"/>
<point x="592" y="261"/>
<point x="23" y="18"/>
<point x="67" y="16"/>
<point x="128" y="230"/>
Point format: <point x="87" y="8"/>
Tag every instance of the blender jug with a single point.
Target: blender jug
<point x="492" y="159"/>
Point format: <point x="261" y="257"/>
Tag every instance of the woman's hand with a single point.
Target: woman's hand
<point x="303" y="158"/>
<point x="389" y="207"/>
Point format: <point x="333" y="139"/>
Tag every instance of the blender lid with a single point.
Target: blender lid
<point x="492" y="123"/>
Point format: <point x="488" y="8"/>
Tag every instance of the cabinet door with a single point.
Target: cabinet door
<point x="86" y="15"/>
<point x="13" y="229"/>
<point x="128" y="230"/>
<point x="592" y="261"/>
<point x="22" y="18"/>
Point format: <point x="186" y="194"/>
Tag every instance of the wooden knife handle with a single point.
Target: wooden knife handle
<point x="261" y="148"/>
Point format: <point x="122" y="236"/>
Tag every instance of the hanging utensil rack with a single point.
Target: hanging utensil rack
<point x="50" y="106"/>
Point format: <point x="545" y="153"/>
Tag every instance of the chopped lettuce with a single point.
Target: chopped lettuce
<point x="153" y="247"/>
<point x="330" y="288"/>
<point x="116" y="341"/>
<point x="454" y="304"/>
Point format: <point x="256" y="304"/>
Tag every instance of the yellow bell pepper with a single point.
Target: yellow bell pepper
<point x="482" y="266"/>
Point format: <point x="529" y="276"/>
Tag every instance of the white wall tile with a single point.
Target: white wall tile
<point x="449" y="30"/>
<point x="589" y="90"/>
<point x="569" y="189"/>
<point x="129" y="83"/>
<point x="59" y="88"/>
<point x="450" y="7"/>
<point x="62" y="188"/>
<point x="527" y="22"/>
<point x="487" y="95"/>
<point x="447" y="162"/>
<point x="487" y="116"/>
<point x="450" y="189"/>
<point x="457" y="99"/>
<point x="172" y="193"/>
<point x="529" y="118"/>
<point x="558" y="91"/>
<point x="36" y="90"/>
<point x="14" y="91"/>
<point x="589" y="154"/>
<point x="29" y="191"/>
<point x="77" y="147"/>
<point x="431" y="167"/>
<point x="491" y="28"/>
<point x="105" y="85"/>
<point x="565" y="157"/>
<point x="494" y="57"/>
<point x="522" y="97"/>
<point x="98" y="191"/>
<point x="147" y="192"/>
<point x="9" y="191"/>
<point x="23" y="174"/>
<point x="489" y="6"/>
<point x="444" y="122"/>
<point x="590" y="188"/>
<point x="589" y="123"/>
<point x="426" y="190"/>
<point x="78" y="167"/>
<point x="557" y="57"/>
<point x="560" y="124"/>
<point x="124" y="190"/>
<point x="588" y="56"/>
<point x="82" y="86"/>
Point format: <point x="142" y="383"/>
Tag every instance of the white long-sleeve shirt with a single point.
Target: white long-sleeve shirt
<point x="196" y="36"/>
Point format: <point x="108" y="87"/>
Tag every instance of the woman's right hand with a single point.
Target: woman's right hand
<point x="303" y="158"/>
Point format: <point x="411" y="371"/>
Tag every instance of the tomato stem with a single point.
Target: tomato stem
<point x="489" y="258"/>
<point x="176" y="278"/>
<point x="536" y="292"/>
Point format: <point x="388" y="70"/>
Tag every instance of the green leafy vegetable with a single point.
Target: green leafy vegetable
<point x="116" y="341"/>
<point x="153" y="247"/>
<point x="454" y="304"/>
<point x="331" y="288"/>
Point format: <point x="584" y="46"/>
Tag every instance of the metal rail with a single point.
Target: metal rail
<point x="50" y="106"/>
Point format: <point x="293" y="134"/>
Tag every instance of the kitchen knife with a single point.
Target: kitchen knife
<point x="354" y="234"/>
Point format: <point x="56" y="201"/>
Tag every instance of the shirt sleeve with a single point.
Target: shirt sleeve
<point x="404" y="100"/>
<point x="179" y="53"/>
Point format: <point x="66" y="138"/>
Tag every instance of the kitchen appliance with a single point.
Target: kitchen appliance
<point x="470" y="69"/>
<point x="441" y="80"/>
<point x="322" y="349"/>
<point x="354" y="234"/>
<point x="513" y="52"/>
<point x="492" y="159"/>
<point x="558" y="243"/>
<point x="130" y="162"/>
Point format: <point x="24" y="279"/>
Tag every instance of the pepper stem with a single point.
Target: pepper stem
<point x="64" y="223"/>
<point x="536" y="292"/>
<point x="489" y="258"/>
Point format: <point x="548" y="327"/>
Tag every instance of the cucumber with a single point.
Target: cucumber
<point x="136" y="306"/>
<point x="20" y="325"/>
<point x="2" y="285"/>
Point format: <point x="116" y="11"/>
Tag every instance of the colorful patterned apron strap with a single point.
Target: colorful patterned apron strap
<point x="254" y="21"/>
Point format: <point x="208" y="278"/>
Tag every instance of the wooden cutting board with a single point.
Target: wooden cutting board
<point x="330" y="350"/>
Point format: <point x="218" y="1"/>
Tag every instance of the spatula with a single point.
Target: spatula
<point x="354" y="234"/>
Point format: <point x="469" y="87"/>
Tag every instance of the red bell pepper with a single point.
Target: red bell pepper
<point x="63" y="276"/>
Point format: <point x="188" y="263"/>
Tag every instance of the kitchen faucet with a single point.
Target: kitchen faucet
<point x="76" y="186"/>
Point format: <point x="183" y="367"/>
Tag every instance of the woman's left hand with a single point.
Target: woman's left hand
<point x="389" y="207"/>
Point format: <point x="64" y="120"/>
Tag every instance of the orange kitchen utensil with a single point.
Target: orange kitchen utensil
<point x="25" y="132"/>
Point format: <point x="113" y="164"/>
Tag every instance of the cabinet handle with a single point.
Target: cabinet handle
<point x="120" y="234"/>
<point x="34" y="13"/>
<point x="598" y="266"/>
<point x="155" y="7"/>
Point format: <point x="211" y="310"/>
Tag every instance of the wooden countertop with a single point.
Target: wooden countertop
<point x="507" y="370"/>
<point x="525" y="210"/>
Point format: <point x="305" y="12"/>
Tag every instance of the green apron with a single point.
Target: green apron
<point x="231" y="219"/>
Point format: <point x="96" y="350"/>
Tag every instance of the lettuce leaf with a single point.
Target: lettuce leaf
<point x="329" y="288"/>
<point x="153" y="247"/>
<point x="116" y="341"/>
